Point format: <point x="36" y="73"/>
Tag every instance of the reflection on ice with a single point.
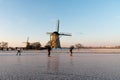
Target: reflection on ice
<point x="53" y="64"/>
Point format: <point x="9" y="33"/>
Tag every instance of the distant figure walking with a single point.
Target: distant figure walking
<point x="18" y="52"/>
<point x="49" y="49"/>
<point x="71" y="48"/>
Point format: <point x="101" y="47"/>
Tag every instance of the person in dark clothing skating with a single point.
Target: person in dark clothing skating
<point x="49" y="50"/>
<point x="18" y="52"/>
<point x="71" y="48"/>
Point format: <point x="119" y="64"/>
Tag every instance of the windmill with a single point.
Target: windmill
<point x="27" y="43"/>
<point x="55" y="37"/>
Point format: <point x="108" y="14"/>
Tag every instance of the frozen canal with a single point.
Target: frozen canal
<point x="60" y="66"/>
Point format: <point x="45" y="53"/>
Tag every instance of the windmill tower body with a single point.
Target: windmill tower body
<point x="55" y="40"/>
<point x="55" y="37"/>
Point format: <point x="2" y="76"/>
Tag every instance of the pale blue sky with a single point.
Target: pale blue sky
<point x="97" y="20"/>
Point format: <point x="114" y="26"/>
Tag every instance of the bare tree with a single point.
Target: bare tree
<point x="36" y="45"/>
<point x="78" y="46"/>
<point x="4" y="44"/>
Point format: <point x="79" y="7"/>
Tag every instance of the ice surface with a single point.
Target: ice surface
<point x="36" y="65"/>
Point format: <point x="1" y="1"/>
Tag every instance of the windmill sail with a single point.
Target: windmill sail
<point x="27" y="39"/>
<point x="49" y="33"/>
<point x="65" y="34"/>
<point x="58" y="26"/>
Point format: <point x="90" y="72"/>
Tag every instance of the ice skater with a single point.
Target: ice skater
<point x="18" y="52"/>
<point x="71" y="48"/>
<point x="49" y="50"/>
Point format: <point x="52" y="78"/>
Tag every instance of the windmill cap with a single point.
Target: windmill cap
<point x="55" y="33"/>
